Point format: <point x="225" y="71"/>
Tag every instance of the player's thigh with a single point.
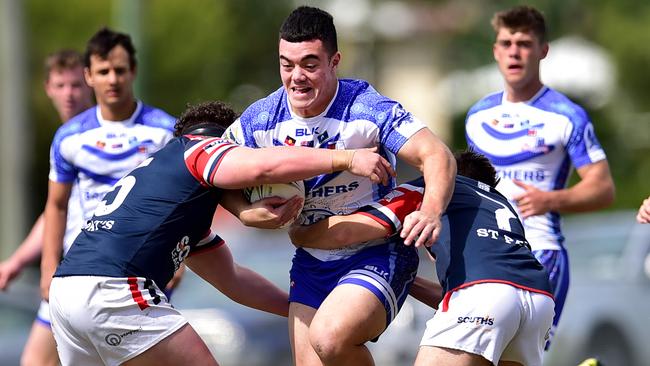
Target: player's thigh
<point x="351" y="314"/>
<point x="40" y="348"/>
<point x="300" y="318"/>
<point x="183" y="347"/>
<point x="438" y="356"/>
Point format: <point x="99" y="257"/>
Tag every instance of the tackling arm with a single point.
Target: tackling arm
<point x="337" y="231"/>
<point x="432" y="157"/>
<point x="238" y="283"/>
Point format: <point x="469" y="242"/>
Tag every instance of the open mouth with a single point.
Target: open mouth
<point x="301" y="90"/>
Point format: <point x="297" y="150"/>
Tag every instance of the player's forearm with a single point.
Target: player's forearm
<point x="426" y="291"/>
<point x="282" y="164"/>
<point x="255" y="291"/>
<point x="439" y="171"/>
<point x="337" y="232"/>
<point x="586" y="195"/>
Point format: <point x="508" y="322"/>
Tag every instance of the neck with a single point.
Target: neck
<point x="523" y="93"/>
<point x="118" y="113"/>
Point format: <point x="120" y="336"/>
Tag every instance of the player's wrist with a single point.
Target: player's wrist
<point x="342" y="159"/>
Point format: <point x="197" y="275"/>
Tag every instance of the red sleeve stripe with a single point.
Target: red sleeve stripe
<point x="388" y="225"/>
<point x="204" y="249"/>
<point x="210" y="235"/>
<point x="399" y="203"/>
<point x="210" y="171"/>
<point x="203" y="159"/>
<point x="192" y="155"/>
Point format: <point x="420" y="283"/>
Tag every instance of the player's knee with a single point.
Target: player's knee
<point x="326" y="342"/>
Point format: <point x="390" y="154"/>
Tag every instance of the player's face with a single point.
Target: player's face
<point x="309" y="76"/>
<point x="518" y="55"/>
<point x="111" y="78"/>
<point x="68" y="92"/>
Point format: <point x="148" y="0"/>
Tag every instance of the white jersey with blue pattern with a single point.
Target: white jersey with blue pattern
<point x="93" y="154"/>
<point x="538" y="142"/>
<point x="357" y="117"/>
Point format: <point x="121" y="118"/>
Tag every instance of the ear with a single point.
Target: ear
<point x="46" y="87"/>
<point x="544" y="50"/>
<point x="336" y="59"/>
<point x="88" y="77"/>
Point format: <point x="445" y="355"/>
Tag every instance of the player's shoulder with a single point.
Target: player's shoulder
<point x="487" y="102"/>
<point x="156" y="117"/>
<point x="357" y="99"/>
<point x="553" y="101"/>
<point x="270" y="108"/>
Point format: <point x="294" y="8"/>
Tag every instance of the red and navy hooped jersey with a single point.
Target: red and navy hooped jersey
<point x="482" y="240"/>
<point x="155" y="216"/>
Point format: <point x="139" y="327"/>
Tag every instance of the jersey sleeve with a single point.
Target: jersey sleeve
<point x="204" y="157"/>
<point x="210" y="241"/>
<point x="396" y="131"/>
<point x="61" y="169"/>
<point x="391" y="210"/>
<point x="583" y="146"/>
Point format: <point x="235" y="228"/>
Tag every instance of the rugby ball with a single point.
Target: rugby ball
<point x="284" y="190"/>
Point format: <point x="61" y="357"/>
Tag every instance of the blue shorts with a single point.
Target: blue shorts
<point x="386" y="270"/>
<point x="556" y="263"/>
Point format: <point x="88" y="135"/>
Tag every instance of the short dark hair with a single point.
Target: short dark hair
<point x="64" y="59"/>
<point x="102" y="42"/>
<point x="207" y="118"/>
<point x="476" y="166"/>
<point x="521" y="18"/>
<point x="307" y="23"/>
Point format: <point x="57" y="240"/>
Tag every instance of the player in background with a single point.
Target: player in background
<point x="643" y="216"/>
<point x="494" y="302"/>
<point x="535" y="136"/>
<point x="106" y="305"/>
<point x="341" y="299"/>
<point x="66" y="88"/>
<point x="102" y="144"/>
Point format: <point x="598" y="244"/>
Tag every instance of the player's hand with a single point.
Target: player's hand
<point x="643" y="216"/>
<point x="367" y="163"/>
<point x="421" y="228"/>
<point x="272" y="212"/>
<point x="175" y="281"/>
<point x="8" y="271"/>
<point x="532" y="201"/>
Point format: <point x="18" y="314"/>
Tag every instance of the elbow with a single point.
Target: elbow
<point x="341" y="238"/>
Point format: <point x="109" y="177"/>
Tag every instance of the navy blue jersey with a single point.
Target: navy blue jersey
<point x="154" y="217"/>
<point x="482" y="240"/>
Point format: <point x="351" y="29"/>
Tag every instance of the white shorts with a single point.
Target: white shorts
<point x="107" y="321"/>
<point x="497" y="321"/>
<point x="43" y="315"/>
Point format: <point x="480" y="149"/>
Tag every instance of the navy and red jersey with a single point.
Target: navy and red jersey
<point x="154" y="217"/>
<point x="482" y="240"/>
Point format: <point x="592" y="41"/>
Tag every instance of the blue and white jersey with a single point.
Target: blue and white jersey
<point x="94" y="153"/>
<point x="538" y="142"/>
<point x="357" y="117"/>
<point x="154" y="217"/>
<point x="481" y="241"/>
